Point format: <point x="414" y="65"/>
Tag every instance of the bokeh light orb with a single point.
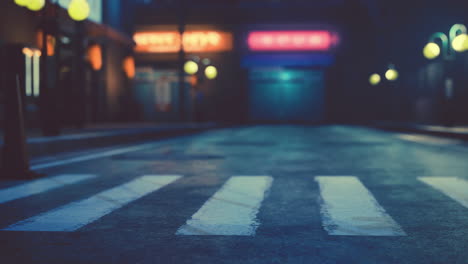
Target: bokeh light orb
<point x="459" y="43"/>
<point x="392" y="75"/>
<point x="211" y="72"/>
<point x="35" y="5"/>
<point x="79" y="10"/>
<point x="191" y="67"/>
<point x="22" y="2"/>
<point x="374" y="79"/>
<point x="431" y="51"/>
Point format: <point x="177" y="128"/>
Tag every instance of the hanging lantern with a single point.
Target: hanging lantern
<point x="79" y="10"/>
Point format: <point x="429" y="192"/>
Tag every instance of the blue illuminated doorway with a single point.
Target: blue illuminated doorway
<point x="286" y="95"/>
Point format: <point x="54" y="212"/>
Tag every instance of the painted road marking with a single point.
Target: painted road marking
<point x="349" y="209"/>
<point x="93" y="156"/>
<point x="40" y="186"/>
<point x="232" y="210"/>
<point x="75" y="215"/>
<point x="429" y="139"/>
<point x="455" y="188"/>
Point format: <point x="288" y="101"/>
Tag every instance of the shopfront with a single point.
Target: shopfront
<point x="287" y="73"/>
<point x="157" y="82"/>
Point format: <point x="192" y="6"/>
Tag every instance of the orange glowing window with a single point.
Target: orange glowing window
<point x="50" y="42"/>
<point x="194" y="41"/>
<point x="128" y="65"/>
<point x="95" y="57"/>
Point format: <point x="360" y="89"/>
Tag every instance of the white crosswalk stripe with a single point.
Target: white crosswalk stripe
<point x="40" y="186"/>
<point x="349" y="209"/>
<point x="75" y="215"/>
<point x="455" y="188"/>
<point x="232" y="210"/>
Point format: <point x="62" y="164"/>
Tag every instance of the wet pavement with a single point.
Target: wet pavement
<point x="260" y="194"/>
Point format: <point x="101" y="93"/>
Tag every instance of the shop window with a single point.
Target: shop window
<point x="32" y="72"/>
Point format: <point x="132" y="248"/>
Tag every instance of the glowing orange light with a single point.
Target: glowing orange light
<point x="194" y="41"/>
<point x="291" y="40"/>
<point x="50" y="43"/>
<point x="128" y="66"/>
<point x="28" y="52"/>
<point x="95" y="57"/>
<point x="193" y="80"/>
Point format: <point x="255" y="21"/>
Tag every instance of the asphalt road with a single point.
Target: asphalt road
<point x="265" y="194"/>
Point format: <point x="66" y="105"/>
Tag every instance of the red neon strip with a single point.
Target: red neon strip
<point x="290" y="40"/>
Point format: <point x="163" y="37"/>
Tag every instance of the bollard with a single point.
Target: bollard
<point x="15" y="158"/>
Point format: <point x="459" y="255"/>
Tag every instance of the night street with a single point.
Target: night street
<point x="259" y="194"/>
<point x="233" y="131"/>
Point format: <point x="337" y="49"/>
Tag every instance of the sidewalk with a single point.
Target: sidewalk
<point x="103" y="135"/>
<point x="459" y="132"/>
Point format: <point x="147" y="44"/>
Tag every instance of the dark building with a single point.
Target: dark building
<point x="277" y="61"/>
<point x="86" y="82"/>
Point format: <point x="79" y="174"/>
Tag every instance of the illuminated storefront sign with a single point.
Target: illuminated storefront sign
<point x="194" y="41"/>
<point x="291" y="40"/>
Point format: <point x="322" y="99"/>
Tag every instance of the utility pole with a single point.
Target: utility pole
<point x="79" y="114"/>
<point x="182" y="93"/>
<point x="47" y="103"/>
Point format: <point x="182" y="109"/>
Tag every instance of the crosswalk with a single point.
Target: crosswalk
<point x="40" y="186"/>
<point x="347" y="206"/>
<point x="232" y="210"/>
<point x="73" y="216"/>
<point x="349" y="209"/>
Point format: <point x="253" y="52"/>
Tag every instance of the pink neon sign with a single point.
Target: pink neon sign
<point x="291" y="40"/>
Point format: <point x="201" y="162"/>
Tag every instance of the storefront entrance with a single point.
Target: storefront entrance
<point x="286" y="95"/>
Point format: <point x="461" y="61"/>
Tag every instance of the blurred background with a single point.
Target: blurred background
<point x="81" y="63"/>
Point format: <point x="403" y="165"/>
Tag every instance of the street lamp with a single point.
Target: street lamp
<point x="36" y="5"/>
<point x="22" y="3"/>
<point x="375" y="79"/>
<point x="191" y="67"/>
<point x="79" y="10"/>
<point x="455" y="42"/>
<point x="33" y="5"/>
<point x="391" y="75"/>
<point x="431" y="51"/>
<point x="211" y="72"/>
